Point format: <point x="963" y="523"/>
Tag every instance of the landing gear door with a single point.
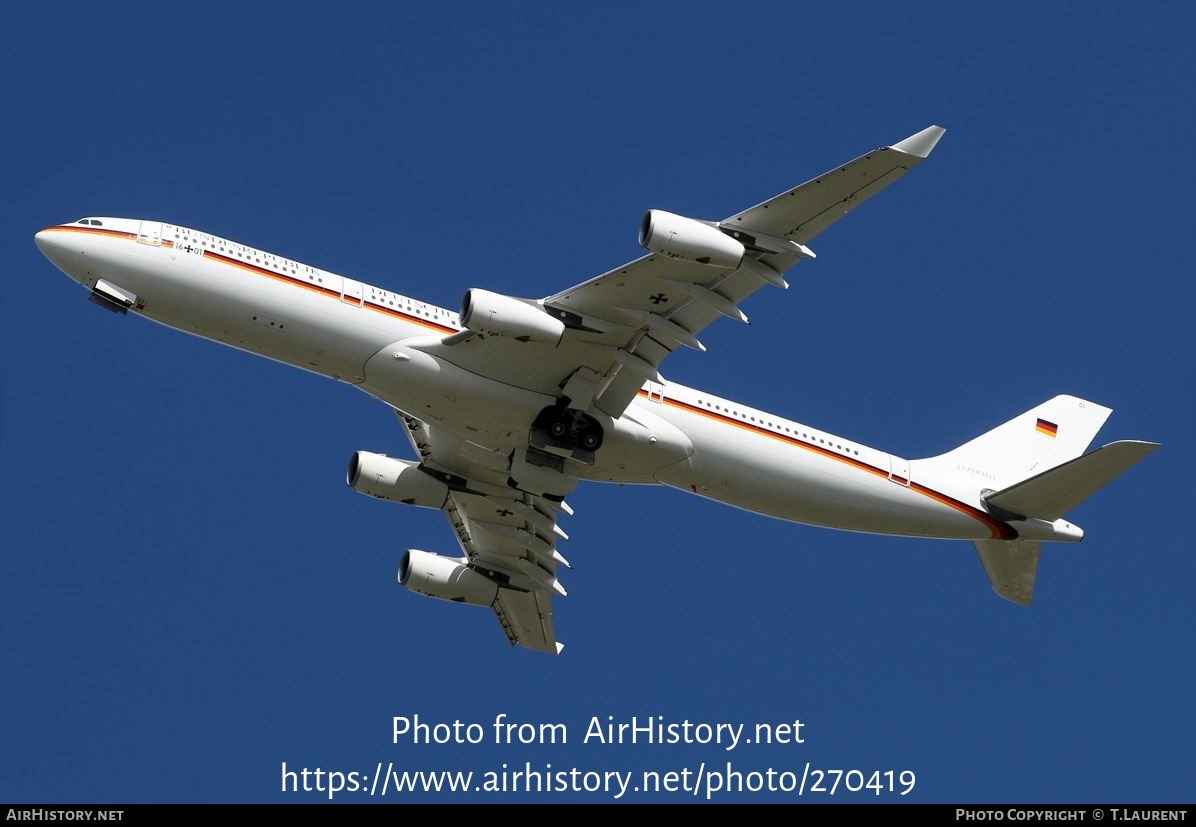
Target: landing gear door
<point x="150" y="233"/>
<point x="899" y="470"/>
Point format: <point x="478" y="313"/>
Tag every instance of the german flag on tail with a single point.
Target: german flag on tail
<point x="1048" y="428"/>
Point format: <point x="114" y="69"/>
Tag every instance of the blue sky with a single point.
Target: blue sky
<point x="192" y="596"/>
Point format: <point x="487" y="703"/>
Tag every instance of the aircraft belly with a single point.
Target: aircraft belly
<point x="247" y="312"/>
<point x="472" y="407"/>
<point x="638" y="445"/>
<point x="134" y="266"/>
<point x="296" y="326"/>
<point x="771" y="477"/>
<point x="483" y="420"/>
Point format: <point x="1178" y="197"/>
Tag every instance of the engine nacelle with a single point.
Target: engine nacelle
<point x="397" y="480"/>
<point x="497" y="315"/>
<point x="447" y="578"/>
<point x="676" y="236"/>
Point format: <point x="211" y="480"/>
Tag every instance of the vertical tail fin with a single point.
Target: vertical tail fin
<point x="1036" y="470"/>
<point x="1011" y="566"/>
<point x="1055" y="432"/>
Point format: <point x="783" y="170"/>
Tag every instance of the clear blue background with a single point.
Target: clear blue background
<point x="192" y="596"/>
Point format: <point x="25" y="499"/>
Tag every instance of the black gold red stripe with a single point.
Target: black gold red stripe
<point x="63" y="228"/>
<point x="272" y="274"/>
<point x="262" y="271"/>
<point x="327" y="291"/>
<point x="1000" y="530"/>
<point x="390" y="311"/>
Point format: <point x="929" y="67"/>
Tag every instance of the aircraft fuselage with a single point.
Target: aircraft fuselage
<point x="372" y="338"/>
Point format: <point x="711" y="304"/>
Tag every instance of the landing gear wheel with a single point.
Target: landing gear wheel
<point x="567" y="429"/>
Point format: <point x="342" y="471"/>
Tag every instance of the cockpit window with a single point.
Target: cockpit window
<point x="95" y="222"/>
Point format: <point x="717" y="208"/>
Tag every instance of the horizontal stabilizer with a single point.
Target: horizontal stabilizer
<point x="1011" y="566"/>
<point x="1053" y="493"/>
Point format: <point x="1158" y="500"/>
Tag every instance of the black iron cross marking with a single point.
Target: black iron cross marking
<point x="659" y="298"/>
<point x="188" y="249"/>
<point x="504" y="512"/>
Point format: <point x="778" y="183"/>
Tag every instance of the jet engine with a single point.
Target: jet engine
<point x="676" y="236"/>
<point x="497" y="315"/>
<point x="448" y="578"/>
<point x="397" y="480"/>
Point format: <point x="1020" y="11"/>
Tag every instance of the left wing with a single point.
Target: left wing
<point x="508" y="535"/>
<point x="620" y="326"/>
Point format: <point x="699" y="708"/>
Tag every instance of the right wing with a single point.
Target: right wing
<point x="804" y="212"/>
<point x="622" y="324"/>
<point x="506" y="534"/>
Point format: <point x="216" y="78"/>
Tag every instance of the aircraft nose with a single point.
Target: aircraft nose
<point x="44" y="240"/>
<point x="53" y="245"/>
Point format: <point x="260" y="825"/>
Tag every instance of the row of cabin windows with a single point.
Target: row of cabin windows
<point x="284" y="265"/>
<point x="254" y="257"/>
<point x="398" y="302"/>
<point x="778" y="428"/>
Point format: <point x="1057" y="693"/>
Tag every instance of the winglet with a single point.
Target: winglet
<point x="921" y="143"/>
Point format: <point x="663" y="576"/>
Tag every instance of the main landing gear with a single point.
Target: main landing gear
<point x="567" y="430"/>
<point x="560" y="439"/>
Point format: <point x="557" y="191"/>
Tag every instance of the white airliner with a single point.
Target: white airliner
<point x="512" y="402"/>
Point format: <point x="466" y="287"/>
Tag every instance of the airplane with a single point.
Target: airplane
<point x="510" y="403"/>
